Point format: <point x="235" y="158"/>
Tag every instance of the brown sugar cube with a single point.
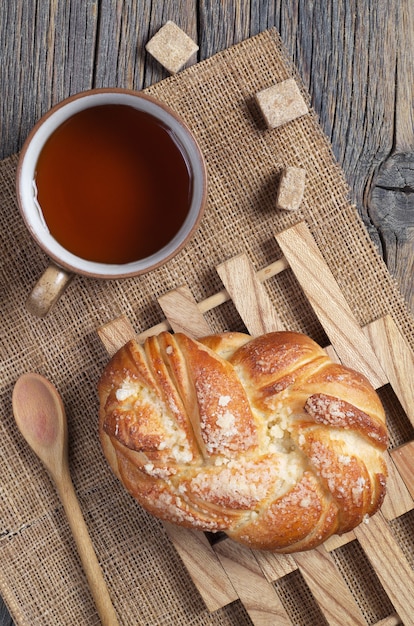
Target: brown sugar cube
<point x="281" y="103"/>
<point x="171" y="47"/>
<point x="291" y="188"/>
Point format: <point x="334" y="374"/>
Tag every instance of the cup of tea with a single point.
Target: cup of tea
<point x="111" y="183"/>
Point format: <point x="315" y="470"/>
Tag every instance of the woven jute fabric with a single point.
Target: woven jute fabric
<point x="40" y="575"/>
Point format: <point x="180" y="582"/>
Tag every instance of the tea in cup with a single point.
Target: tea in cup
<point x="111" y="184"/>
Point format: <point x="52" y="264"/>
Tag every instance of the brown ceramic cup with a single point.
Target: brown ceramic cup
<point x="64" y="263"/>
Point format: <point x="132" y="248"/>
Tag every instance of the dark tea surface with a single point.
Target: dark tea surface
<point x="113" y="184"/>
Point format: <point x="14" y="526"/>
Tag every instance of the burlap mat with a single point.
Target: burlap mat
<point x="40" y="576"/>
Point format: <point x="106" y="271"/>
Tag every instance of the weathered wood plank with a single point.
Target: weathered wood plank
<point x="223" y="24"/>
<point x="391" y="204"/>
<point x="366" y="82"/>
<point x="125" y="28"/>
<point x="5" y="619"/>
<point x="47" y="53"/>
<point x="345" y="84"/>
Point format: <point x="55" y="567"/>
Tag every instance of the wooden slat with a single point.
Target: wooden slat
<point x="262" y="275"/>
<point x="205" y="569"/>
<point x="398" y="500"/>
<point x="397" y="360"/>
<point x="249" y="295"/>
<point x="275" y="566"/>
<point x="257" y="595"/>
<point x="389" y="563"/>
<point x="337" y="541"/>
<point x="403" y="458"/>
<point x="328" y="587"/>
<point x="115" y="334"/>
<point x="326" y="299"/>
<point x="391" y="620"/>
<point x="211" y="302"/>
<point x="182" y="312"/>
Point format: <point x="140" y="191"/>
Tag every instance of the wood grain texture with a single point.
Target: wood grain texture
<point x="115" y="334"/>
<point x="124" y="29"/>
<point x="275" y="566"/>
<point x="392" y="620"/>
<point x="201" y="562"/>
<point x="398" y="500"/>
<point x="391" y="201"/>
<point x="5" y="619"/>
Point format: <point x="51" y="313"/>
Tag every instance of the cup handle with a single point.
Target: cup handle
<point x="48" y="290"/>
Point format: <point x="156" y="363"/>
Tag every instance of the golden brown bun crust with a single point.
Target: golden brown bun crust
<point x="266" y="439"/>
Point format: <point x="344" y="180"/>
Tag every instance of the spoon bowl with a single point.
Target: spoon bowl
<point x="40" y="416"/>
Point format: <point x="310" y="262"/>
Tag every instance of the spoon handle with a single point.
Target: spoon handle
<point x="86" y="550"/>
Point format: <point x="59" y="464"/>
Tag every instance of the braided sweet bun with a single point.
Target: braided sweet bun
<point x="263" y="438"/>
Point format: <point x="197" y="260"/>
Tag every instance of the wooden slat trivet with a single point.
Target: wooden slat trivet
<point x="225" y="571"/>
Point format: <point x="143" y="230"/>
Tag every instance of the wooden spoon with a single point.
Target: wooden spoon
<point x="40" y="416"/>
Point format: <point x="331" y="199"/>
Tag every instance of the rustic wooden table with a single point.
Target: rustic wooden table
<point x="355" y="57"/>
